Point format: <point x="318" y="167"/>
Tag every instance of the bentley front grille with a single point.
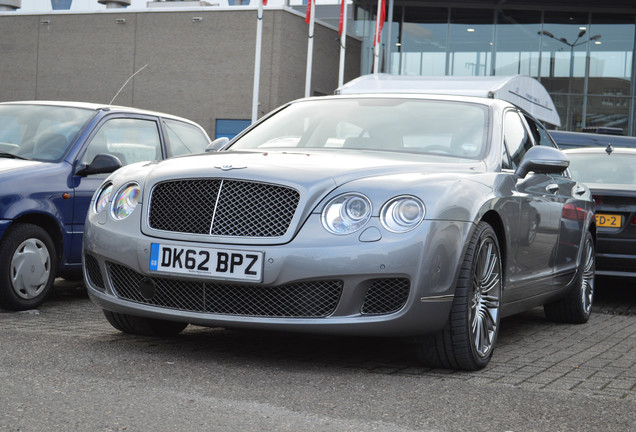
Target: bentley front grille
<point x="314" y="299"/>
<point x="217" y="207"/>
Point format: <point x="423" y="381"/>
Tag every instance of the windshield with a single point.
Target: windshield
<point x="603" y="168"/>
<point x="40" y="132"/>
<point x="447" y="128"/>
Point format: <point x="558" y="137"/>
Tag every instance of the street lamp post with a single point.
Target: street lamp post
<point x="572" y="45"/>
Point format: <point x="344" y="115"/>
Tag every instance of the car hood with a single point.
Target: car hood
<point x="310" y="167"/>
<point x="316" y="175"/>
<point x="8" y="164"/>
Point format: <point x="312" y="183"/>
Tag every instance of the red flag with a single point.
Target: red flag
<point x="380" y="23"/>
<point x="342" y="8"/>
<point x="308" y="14"/>
<point x="264" y="2"/>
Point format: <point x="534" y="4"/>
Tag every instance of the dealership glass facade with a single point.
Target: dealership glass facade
<point x="585" y="59"/>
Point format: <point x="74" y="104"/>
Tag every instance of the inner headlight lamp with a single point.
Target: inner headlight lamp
<point x="346" y="213"/>
<point x="125" y="201"/>
<point x="402" y="214"/>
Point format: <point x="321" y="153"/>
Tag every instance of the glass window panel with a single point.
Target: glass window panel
<point x="608" y="111"/>
<point x="564" y="40"/>
<point x="518" y="43"/>
<point x="423" y="41"/>
<point x="471" y="42"/>
<point x="570" y="109"/>
<point x="611" y="54"/>
<point x="131" y="140"/>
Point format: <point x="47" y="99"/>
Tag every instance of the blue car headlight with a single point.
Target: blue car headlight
<point x="402" y="213"/>
<point x="125" y="201"/>
<point x="102" y="198"/>
<point x="346" y="213"/>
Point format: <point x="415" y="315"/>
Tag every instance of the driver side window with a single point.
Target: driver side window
<point x="130" y="140"/>
<point x="516" y="138"/>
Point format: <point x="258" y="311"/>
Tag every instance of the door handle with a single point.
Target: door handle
<point x="552" y="188"/>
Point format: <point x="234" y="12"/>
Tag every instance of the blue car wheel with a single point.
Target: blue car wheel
<point x="28" y="265"/>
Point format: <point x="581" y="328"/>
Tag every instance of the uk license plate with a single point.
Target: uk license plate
<point x="609" y="220"/>
<point x="212" y="262"/>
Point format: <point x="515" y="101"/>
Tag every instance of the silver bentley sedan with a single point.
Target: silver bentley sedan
<point x="419" y="216"/>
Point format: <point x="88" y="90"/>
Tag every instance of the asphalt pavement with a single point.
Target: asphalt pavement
<point x="63" y="367"/>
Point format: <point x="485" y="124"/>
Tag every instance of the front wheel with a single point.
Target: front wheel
<point x="28" y="264"/>
<point x="576" y="306"/>
<point x="468" y="339"/>
<point x="143" y="326"/>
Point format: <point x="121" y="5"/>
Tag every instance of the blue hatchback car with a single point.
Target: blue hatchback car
<point x="53" y="156"/>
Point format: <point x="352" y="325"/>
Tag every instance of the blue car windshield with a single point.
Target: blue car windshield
<point x="40" y="132"/>
<point x="423" y="126"/>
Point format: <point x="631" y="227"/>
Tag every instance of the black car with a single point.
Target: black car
<point x="610" y="173"/>
<point x="567" y="140"/>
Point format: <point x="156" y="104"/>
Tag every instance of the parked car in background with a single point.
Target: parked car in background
<point x="53" y="156"/>
<point x="400" y="214"/>
<point x="610" y="173"/>
<point x="567" y="140"/>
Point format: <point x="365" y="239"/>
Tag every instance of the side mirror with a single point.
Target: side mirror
<point x="217" y="145"/>
<point x="101" y="164"/>
<point x="543" y="160"/>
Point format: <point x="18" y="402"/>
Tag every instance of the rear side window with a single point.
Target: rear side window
<point x="184" y="138"/>
<point x="540" y="134"/>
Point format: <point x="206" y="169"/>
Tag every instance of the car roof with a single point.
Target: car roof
<point x="567" y="140"/>
<point x="600" y="150"/>
<point x="432" y="97"/>
<point x="97" y="107"/>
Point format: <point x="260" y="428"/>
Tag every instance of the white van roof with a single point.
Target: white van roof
<point x="520" y="90"/>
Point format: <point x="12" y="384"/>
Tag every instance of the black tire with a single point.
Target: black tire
<point x="576" y="306"/>
<point x="143" y="326"/>
<point x="468" y="339"/>
<point x="28" y="265"/>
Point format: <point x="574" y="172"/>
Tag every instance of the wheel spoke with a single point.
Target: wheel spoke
<point x="485" y="301"/>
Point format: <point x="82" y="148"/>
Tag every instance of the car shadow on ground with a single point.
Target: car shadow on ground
<point x="372" y="354"/>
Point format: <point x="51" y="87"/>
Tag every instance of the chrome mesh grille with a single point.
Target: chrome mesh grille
<point x="223" y="207"/>
<point x="93" y="272"/>
<point x="299" y="300"/>
<point x="386" y="296"/>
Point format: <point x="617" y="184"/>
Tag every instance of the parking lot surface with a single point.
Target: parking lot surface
<point x="62" y="367"/>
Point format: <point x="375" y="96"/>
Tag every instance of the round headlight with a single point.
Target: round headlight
<point x="102" y="198"/>
<point x="125" y="201"/>
<point x="346" y="213"/>
<point x="402" y="214"/>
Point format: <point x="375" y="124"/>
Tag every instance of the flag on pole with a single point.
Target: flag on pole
<point x="308" y="13"/>
<point x="343" y="4"/>
<point x="380" y="22"/>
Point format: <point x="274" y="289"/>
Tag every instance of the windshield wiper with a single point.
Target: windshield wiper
<point x="12" y="156"/>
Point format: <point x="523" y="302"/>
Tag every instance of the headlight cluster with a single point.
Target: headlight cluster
<point x="349" y="212"/>
<point x="122" y="203"/>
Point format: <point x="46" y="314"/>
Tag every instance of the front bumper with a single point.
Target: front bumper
<point x="383" y="284"/>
